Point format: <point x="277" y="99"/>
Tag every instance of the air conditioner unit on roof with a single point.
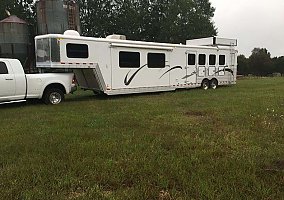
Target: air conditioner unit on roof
<point x="212" y="41"/>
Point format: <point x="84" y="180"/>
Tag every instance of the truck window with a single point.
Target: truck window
<point x="156" y="60"/>
<point x="202" y="59"/>
<point x="3" y="68"/>
<point x="129" y="59"/>
<point x="77" y="50"/>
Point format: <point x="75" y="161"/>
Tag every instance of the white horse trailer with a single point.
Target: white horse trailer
<point x="114" y="65"/>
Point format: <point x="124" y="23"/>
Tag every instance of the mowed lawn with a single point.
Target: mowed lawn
<point x="189" y="144"/>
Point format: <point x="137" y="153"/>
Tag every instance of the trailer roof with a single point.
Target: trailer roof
<point x="128" y="42"/>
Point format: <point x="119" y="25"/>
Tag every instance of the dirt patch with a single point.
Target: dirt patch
<point x="164" y="195"/>
<point x="75" y="195"/>
<point x="277" y="165"/>
<point x="196" y="113"/>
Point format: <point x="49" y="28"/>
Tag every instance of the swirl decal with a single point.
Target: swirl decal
<point x="193" y="73"/>
<point x="176" y="67"/>
<point x="127" y="82"/>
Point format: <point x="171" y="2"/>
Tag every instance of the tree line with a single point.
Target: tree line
<point x="172" y="21"/>
<point x="260" y="63"/>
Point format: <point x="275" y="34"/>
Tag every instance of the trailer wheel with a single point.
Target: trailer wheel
<point x="53" y="96"/>
<point x="205" y="84"/>
<point x="213" y="84"/>
<point x="96" y="92"/>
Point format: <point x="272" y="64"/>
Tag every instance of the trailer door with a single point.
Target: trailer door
<point x="201" y="65"/>
<point x="232" y="66"/>
<point x="191" y="68"/>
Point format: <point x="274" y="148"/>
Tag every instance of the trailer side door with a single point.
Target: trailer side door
<point x="191" y="68"/>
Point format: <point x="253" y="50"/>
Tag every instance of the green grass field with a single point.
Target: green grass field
<point x="189" y="144"/>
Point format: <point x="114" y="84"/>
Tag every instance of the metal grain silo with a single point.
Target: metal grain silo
<point x="14" y="39"/>
<point x="57" y="16"/>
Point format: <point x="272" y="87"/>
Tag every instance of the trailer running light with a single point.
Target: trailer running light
<point x="74" y="81"/>
<point x="63" y="63"/>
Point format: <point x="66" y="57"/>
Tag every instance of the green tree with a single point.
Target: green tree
<point x="260" y="62"/>
<point x="151" y="20"/>
<point x="243" y="65"/>
<point x="278" y="64"/>
<point x="24" y="9"/>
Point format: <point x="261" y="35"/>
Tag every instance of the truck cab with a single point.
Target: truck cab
<point x="12" y="80"/>
<point x="17" y="86"/>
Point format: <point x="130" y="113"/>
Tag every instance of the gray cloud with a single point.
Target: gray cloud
<point x="255" y="23"/>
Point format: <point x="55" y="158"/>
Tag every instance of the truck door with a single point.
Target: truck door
<point x="7" y="82"/>
<point x="191" y="71"/>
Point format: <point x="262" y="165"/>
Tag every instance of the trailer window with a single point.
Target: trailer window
<point x="156" y="60"/>
<point x="222" y="60"/>
<point x="77" y="50"/>
<point x="129" y="59"/>
<point x="212" y="59"/>
<point x="202" y="59"/>
<point x="43" y="50"/>
<point x="191" y="59"/>
<point x="55" y="50"/>
<point x="3" y="68"/>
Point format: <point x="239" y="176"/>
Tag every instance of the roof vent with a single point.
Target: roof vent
<point x="116" y="37"/>
<point x="72" y="33"/>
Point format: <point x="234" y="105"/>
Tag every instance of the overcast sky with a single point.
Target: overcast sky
<point x="255" y="23"/>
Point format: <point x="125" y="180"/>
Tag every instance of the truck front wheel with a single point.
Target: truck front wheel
<point x="53" y="96"/>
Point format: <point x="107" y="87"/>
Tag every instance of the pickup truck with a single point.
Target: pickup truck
<point x="16" y="86"/>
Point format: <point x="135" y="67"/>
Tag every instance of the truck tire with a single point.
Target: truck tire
<point x="53" y="96"/>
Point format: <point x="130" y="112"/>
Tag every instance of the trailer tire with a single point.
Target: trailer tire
<point x="205" y="84"/>
<point x="213" y="84"/>
<point x="97" y="92"/>
<point x="53" y="96"/>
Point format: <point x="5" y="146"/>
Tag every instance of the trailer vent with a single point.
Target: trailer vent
<point x="116" y="37"/>
<point x="72" y="33"/>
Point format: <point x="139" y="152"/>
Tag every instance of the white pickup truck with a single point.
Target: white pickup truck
<point x="16" y="86"/>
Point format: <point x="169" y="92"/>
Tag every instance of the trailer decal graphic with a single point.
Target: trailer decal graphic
<point x="127" y="82"/>
<point x="229" y="70"/>
<point x="176" y="67"/>
<point x="193" y="73"/>
<point x="225" y="70"/>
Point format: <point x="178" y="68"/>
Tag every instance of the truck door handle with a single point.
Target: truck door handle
<point x="9" y="79"/>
